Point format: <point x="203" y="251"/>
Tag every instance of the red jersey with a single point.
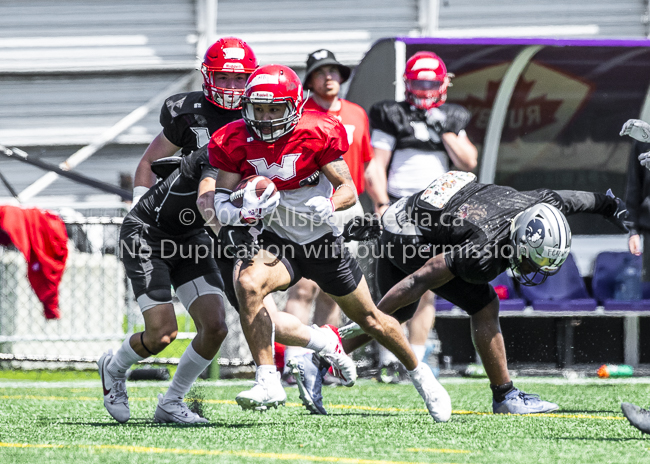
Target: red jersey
<point x="293" y="162"/>
<point x="355" y="121"/>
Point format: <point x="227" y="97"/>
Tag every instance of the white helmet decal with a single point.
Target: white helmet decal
<point x="263" y="79"/>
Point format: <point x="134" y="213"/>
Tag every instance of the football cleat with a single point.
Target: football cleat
<point x="518" y="402"/>
<point x="639" y="418"/>
<point x="175" y="412"/>
<point x="342" y="365"/>
<point x="394" y="372"/>
<point x="433" y="393"/>
<point x="309" y="370"/>
<point x="116" y="400"/>
<point x="265" y="393"/>
<point x="350" y="330"/>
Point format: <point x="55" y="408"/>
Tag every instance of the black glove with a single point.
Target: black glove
<point x="448" y="118"/>
<point x="361" y="228"/>
<point x="237" y="242"/>
<point x="618" y="218"/>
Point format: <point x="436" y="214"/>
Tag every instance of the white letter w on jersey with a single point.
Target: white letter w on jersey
<point x="284" y="171"/>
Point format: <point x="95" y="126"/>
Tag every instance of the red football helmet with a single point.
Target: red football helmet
<point x="272" y="84"/>
<point x="426" y="80"/>
<point x="227" y="55"/>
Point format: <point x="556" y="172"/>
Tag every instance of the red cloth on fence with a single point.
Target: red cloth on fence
<point x="42" y="239"/>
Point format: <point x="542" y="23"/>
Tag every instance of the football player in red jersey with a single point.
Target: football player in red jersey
<point x="302" y="154"/>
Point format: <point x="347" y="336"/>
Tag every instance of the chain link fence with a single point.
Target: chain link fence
<point x="98" y="308"/>
<point x="93" y="299"/>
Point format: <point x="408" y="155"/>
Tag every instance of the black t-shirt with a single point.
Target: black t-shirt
<point x="189" y="120"/>
<point x="473" y="227"/>
<point x="407" y="124"/>
<point x="170" y="205"/>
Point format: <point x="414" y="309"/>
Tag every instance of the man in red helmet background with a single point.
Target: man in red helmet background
<point x="414" y="141"/>
<point x="170" y="212"/>
<point x="302" y="153"/>
<point x="189" y="119"/>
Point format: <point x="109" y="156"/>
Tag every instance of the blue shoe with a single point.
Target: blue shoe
<point x="309" y="370"/>
<point x="518" y="402"/>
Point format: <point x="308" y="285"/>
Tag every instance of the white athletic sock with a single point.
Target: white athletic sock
<point x="189" y="368"/>
<point x="317" y="339"/>
<point x="419" y="351"/>
<point x="123" y="360"/>
<point x="266" y="371"/>
<point x="417" y="372"/>
<point x="386" y="357"/>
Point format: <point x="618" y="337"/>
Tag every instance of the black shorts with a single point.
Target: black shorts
<point x="394" y="265"/>
<point x="155" y="261"/>
<point x="325" y="261"/>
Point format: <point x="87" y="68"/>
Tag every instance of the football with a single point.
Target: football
<point x="237" y="196"/>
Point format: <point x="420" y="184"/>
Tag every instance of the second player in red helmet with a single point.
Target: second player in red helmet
<point x="225" y="69"/>
<point x="426" y="80"/>
<point x="303" y="155"/>
<point x="188" y="119"/>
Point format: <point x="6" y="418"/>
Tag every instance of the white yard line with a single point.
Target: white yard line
<point x="97" y="384"/>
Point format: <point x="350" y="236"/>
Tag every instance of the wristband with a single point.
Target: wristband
<point x="346" y="185"/>
<point x="139" y="190"/>
<point x="226" y="213"/>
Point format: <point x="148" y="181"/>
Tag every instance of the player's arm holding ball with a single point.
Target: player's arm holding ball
<point x="336" y="170"/>
<point x="345" y="193"/>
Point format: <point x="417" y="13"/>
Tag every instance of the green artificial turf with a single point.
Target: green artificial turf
<point x="369" y="423"/>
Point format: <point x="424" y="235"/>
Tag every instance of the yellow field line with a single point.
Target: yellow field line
<point x="29" y="445"/>
<point x="331" y="406"/>
<point x="202" y="452"/>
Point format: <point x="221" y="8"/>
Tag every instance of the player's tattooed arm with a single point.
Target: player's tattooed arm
<point x="432" y="275"/>
<point x="345" y="192"/>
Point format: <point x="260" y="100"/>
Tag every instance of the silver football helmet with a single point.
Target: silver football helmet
<point x="541" y="241"/>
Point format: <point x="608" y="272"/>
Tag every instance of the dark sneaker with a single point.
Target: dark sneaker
<point x="309" y="370"/>
<point x="640" y="418"/>
<point x="175" y="412"/>
<point x="116" y="400"/>
<point x="518" y="402"/>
